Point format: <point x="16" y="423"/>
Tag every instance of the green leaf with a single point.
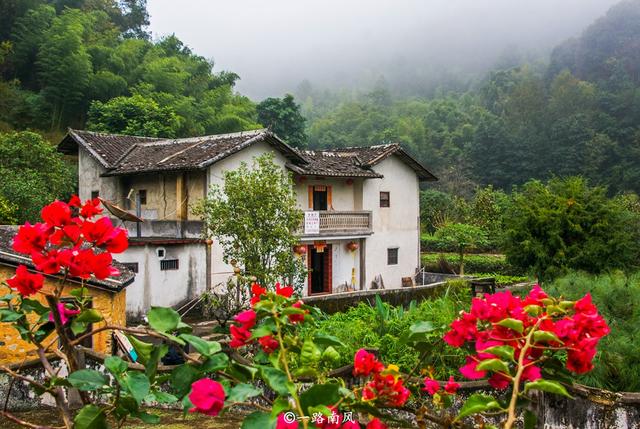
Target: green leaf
<point x="79" y="292"/>
<point x="115" y="365"/>
<point x="277" y="380"/>
<point x="215" y="363"/>
<point x="495" y="365"/>
<point x="88" y="379"/>
<point x="326" y="340"/>
<point x="143" y="350"/>
<point x="546" y="336"/>
<point x="547" y="386"/>
<point x="163" y="319"/>
<point x="513" y="324"/>
<point x="151" y="367"/>
<point x="242" y="392"/>
<point x="258" y="420"/>
<point x="182" y="377"/>
<point x="504" y="352"/>
<point x="78" y="327"/>
<point x="89" y="316"/>
<point x="310" y="354"/>
<point x="477" y="403"/>
<point x="262" y="330"/>
<point x="8" y="297"/>
<point x="7" y="315"/>
<point x="165" y="398"/>
<point x="147" y="418"/>
<point x="530" y="420"/>
<point x="319" y="394"/>
<point x="293" y="310"/>
<point x="204" y="347"/>
<point x="29" y="305"/>
<point x="90" y="417"/>
<point x="331" y="355"/>
<point x="137" y="384"/>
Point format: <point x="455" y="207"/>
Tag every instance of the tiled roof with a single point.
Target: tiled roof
<point x="356" y="162"/>
<point x="122" y="155"/>
<point x="13" y="258"/>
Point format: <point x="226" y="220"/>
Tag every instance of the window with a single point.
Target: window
<point x="143" y="196"/>
<point x="385" y="200"/>
<point x="133" y="266"/>
<point x="95" y="194"/>
<point x="160" y="252"/>
<point x="169" y="264"/>
<point x="392" y="256"/>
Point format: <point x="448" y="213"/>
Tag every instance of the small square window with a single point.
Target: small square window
<point x="95" y="194"/>
<point x="385" y="199"/>
<point x="392" y="256"/>
<point x="169" y="264"/>
<point x="143" y="196"/>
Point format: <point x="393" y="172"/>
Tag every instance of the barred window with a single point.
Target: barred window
<point x="392" y="256"/>
<point x="169" y="264"/>
<point x="385" y="199"/>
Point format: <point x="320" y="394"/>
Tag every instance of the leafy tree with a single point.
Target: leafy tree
<point x="33" y="173"/>
<point x="566" y="224"/>
<point x="284" y="118"/>
<point x="135" y="115"/>
<point x="8" y="212"/>
<point x="254" y="217"/>
<point x="463" y="237"/>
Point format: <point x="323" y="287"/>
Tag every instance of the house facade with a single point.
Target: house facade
<point x="361" y="209"/>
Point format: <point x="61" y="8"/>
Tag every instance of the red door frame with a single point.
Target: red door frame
<point x="328" y="270"/>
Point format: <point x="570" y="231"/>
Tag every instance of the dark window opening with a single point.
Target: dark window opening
<point x="169" y="264"/>
<point x="133" y="266"/>
<point x="143" y="196"/>
<point x="320" y="198"/>
<point x="95" y="194"/>
<point x="385" y="199"/>
<point x="392" y="256"/>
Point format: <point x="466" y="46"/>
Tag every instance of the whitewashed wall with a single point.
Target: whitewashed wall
<point x="89" y="179"/>
<point x="344" y="196"/>
<point x="395" y="226"/>
<point x="153" y="287"/>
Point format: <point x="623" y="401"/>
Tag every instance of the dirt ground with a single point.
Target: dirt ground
<point x="169" y="419"/>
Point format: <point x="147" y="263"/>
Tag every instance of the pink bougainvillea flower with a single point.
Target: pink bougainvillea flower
<point x="431" y="386"/>
<point x="207" y="396"/>
<point x="283" y="422"/>
<point x="350" y="425"/>
<point x="25" y="282"/>
<point x="469" y="369"/>
<point x="65" y="313"/>
<point x="365" y="363"/>
<point x="451" y="387"/>
<point x="376" y="424"/>
<point x="246" y="319"/>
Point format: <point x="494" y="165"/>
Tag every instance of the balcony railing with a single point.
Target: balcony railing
<point x="337" y="223"/>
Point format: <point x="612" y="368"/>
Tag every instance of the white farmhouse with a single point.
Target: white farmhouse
<point x="361" y="208"/>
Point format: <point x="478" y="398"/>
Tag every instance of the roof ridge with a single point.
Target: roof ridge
<point x="200" y="139"/>
<point x="100" y="133"/>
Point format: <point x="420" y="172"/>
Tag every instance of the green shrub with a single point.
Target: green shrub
<point x="363" y="326"/>
<point x="448" y="263"/>
<point x="501" y="279"/>
<point x="566" y="224"/>
<point x="617" y="364"/>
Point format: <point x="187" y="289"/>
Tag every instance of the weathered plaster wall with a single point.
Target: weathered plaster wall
<point x="89" y="179"/>
<point x="154" y="287"/>
<point x="110" y="305"/>
<point x="344" y="196"/>
<point x="221" y="271"/>
<point x="394" y="226"/>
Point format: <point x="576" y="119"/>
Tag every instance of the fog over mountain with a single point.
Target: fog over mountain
<point x="415" y="44"/>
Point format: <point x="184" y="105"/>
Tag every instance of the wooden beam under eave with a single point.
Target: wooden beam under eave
<point x="182" y="197"/>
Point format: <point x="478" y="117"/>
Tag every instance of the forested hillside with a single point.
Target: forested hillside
<point x="580" y="114"/>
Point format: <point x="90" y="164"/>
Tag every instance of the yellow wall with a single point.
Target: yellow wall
<point x="111" y="305"/>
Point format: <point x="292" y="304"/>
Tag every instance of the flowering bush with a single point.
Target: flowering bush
<point x="268" y="364"/>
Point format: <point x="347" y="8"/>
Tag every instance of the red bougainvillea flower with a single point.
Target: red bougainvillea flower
<point x="387" y="389"/>
<point x="256" y="292"/>
<point x="376" y="424"/>
<point x="365" y="363"/>
<point x="207" y="396"/>
<point x="240" y="336"/>
<point x="462" y="330"/>
<point x="297" y="318"/>
<point x="75" y="201"/>
<point x="431" y="386"/>
<point x="65" y="313"/>
<point x="103" y="234"/>
<point x="57" y="214"/>
<point x="469" y="369"/>
<point x="31" y="238"/>
<point x="25" y="282"/>
<point x="499" y="381"/>
<point x="350" y="425"/>
<point x="90" y="208"/>
<point x="286" y="291"/>
<point x="283" y="423"/>
<point x="451" y="387"/>
<point x="268" y="344"/>
<point x="246" y="319"/>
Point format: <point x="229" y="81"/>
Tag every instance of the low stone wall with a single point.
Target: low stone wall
<point x="337" y="302"/>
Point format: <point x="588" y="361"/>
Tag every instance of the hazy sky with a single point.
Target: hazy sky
<point x="274" y="44"/>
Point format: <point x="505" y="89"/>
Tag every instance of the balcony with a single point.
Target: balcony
<point x="336" y="223"/>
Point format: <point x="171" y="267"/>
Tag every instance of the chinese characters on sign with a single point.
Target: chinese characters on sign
<point x="312" y="222"/>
